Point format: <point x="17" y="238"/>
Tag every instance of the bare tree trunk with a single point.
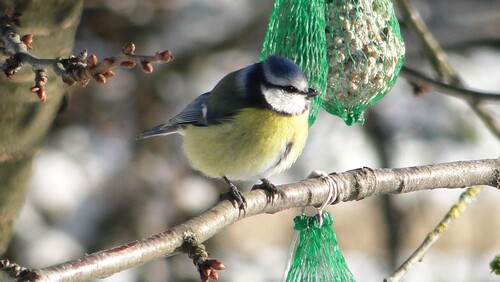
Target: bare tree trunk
<point x="24" y="121"/>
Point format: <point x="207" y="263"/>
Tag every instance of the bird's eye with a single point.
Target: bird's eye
<point x="290" y="89"/>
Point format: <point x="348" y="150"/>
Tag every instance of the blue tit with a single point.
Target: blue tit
<point x="253" y="124"/>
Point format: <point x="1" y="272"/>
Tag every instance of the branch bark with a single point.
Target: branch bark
<point x="352" y="185"/>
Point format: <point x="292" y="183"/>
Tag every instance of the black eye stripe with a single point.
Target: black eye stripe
<point x="287" y="88"/>
<point x="290" y="88"/>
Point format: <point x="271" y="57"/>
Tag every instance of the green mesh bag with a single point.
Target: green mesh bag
<point x="365" y="53"/>
<point x="350" y="50"/>
<point x="296" y="31"/>
<point x="316" y="256"/>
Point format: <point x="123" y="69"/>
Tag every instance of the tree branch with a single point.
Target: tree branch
<point x="71" y="69"/>
<point x="436" y="54"/>
<point x="455" y="211"/>
<point x="442" y="64"/>
<point x="457" y="91"/>
<point x="352" y="185"/>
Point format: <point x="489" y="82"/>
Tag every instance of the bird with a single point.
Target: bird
<point x="253" y="124"/>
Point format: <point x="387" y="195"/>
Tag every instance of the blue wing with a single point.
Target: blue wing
<point x="192" y="114"/>
<point x="203" y="111"/>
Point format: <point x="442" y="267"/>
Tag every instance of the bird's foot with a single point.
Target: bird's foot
<point x="234" y="195"/>
<point x="270" y="189"/>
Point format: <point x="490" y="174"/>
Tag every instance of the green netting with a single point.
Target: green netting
<point x="296" y="31"/>
<point x="365" y="53"/>
<point x="316" y="254"/>
<point x="351" y="50"/>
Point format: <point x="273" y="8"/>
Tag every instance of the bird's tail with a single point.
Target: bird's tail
<point x="160" y="130"/>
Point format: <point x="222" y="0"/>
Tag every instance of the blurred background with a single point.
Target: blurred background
<point x="95" y="187"/>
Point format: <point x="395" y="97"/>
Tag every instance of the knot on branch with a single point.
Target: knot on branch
<point x="207" y="268"/>
<point x="13" y="270"/>
<point x="74" y="69"/>
<point x="11" y="66"/>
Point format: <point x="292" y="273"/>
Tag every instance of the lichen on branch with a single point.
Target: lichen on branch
<point x="80" y="68"/>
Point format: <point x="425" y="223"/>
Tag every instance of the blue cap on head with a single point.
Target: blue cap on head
<point x="283" y="67"/>
<point x="281" y="71"/>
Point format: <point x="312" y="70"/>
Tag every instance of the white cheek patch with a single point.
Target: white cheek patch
<point x="280" y="101"/>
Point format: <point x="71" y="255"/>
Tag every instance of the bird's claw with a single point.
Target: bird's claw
<point x="270" y="189"/>
<point x="234" y="195"/>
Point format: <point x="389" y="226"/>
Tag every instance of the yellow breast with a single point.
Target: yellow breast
<point x="255" y="143"/>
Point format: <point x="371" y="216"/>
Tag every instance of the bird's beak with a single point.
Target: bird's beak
<point x="312" y="92"/>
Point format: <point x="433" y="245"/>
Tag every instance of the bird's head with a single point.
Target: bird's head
<point x="284" y="86"/>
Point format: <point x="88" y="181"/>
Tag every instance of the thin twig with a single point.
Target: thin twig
<point x="488" y="119"/>
<point x="352" y="185"/>
<point x="72" y="69"/>
<point x="442" y="64"/>
<point x="457" y="91"/>
<point x="444" y="68"/>
<point x="455" y="211"/>
<point x="436" y="54"/>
